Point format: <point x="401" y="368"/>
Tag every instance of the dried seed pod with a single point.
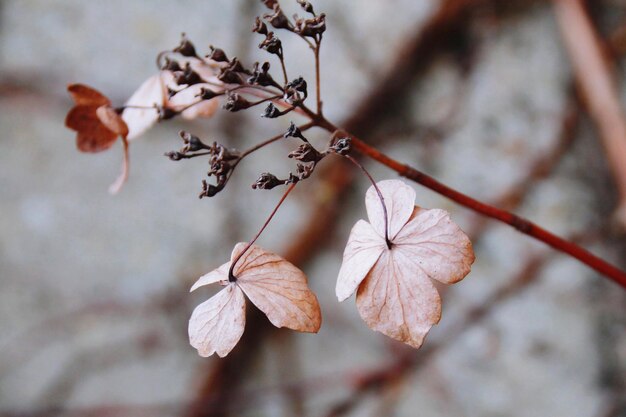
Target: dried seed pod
<point x="235" y="102"/>
<point x="272" y="44"/>
<point x="216" y="54"/>
<point x="267" y="181"/>
<point x="185" y="48"/>
<point x="277" y="18"/>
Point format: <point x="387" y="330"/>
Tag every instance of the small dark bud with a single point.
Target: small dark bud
<point x="341" y="146"/>
<point x="304" y="171"/>
<point x="311" y="27"/>
<point x="187" y="76"/>
<point x="272" y="44"/>
<point x="192" y="142"/>
<point x="267" y="181"/>
<point x="292" y="179"/>
<point x="166" y="113"/>
<point x="171" y="65"/>
<point x="259" y="26"/>
<point x="216" y="54"/>
<point x="174" y="156"/>
<point x="229" y="77"/>
<point x="292" y="96"/>
<point x="271" y="112"/>
<point x="306" y="153"/>
<point x="299" y="84"/>
<point x="269" y="3"/>
<point x="261" y="76"/>
<point x="235" y="102"/>
<point x="236" y="66"/>
<point x="206" y="94"/>
<point x="209" y="190"/>
<point x="277" y="18"/>
<point x="308" y="7"/>
<point x="219" y="168"/>
<point x="294" y="132"/>
<point x="185" y="48"/>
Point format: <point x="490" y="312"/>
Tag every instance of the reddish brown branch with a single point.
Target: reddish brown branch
<point x="519" y="223"/>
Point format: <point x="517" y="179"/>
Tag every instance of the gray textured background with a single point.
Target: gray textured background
<point x="93" y="288"/>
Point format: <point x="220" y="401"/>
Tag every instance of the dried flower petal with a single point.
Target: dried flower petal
<point x="398" y="300"/>
<point x="362" y="251"/>
<point x="92" y="134"/>
<point x="142" y="107"/>
<point x="217" y="324"/>
<point x="436" y="245"/>
<point x="399" y="200"/>
<point x="278" y="289"/>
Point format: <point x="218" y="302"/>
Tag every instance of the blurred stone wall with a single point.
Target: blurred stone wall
<point x="93" y="288"/>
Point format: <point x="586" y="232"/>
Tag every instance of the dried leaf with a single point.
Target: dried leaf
<point x="274" y="285"/>
<point x="395" y="295"/>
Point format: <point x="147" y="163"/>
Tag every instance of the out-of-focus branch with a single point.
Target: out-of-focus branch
<point x="595" y="79"/>
<point x="410" y="361"/>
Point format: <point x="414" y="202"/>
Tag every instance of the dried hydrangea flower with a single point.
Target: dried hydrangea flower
<point x="275" y="286"/>
<point x="395" y="293"/>
<point x="98" y="125"/>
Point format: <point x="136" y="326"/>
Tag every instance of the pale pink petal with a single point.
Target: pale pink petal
<point x="398" y="299"/>
<point x="278" y="289"/>
<point x="207" y="71"/>
<point x="123" y="177"/>
<point x="152" y="92"/>
<point x="217" y="324"/>
<point x="112" y="120"/>
<point x="399" y="201"/>
<point x="362" y="251"/>
<point x="436" y="245"/>
<point x="217" y="275"/>
<point x="189" y="97"/>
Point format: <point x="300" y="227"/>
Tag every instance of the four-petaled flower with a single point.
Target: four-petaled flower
<point x="395" y="294"/>
<point x="98" y="125"/>
<point x="274" y="285"/>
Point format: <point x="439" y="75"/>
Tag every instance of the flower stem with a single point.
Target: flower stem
<point x="318" y="44"/>
<point x="380" y="196"/>
<point x="231" y="275"/>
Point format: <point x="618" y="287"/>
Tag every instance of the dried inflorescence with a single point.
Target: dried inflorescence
<point x="389" y="261"/>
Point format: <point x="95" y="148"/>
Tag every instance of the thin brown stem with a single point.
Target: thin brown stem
<point x="281" y="58"/>
<point x="273" y="139"/>
<point x="231" y="275"/>
<point x="380" y="196"/>
<point x="318" y="44"/>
